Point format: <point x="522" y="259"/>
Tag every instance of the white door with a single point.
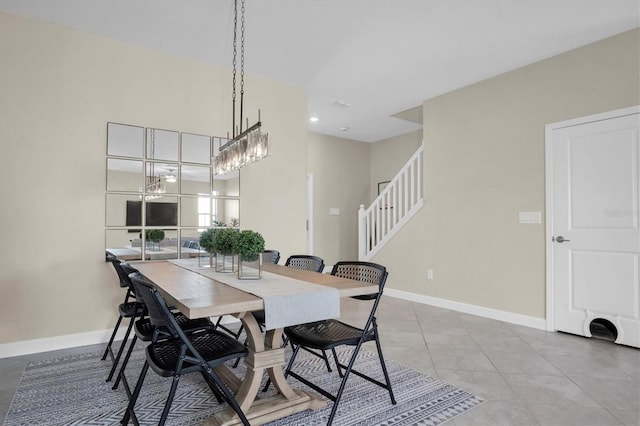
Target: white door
<point x="595" y="237"/>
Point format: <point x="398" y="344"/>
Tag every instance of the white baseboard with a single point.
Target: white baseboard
<point x="26" y="347"/>
<point x="46" y="344"/>
<point x="496" y="314"/>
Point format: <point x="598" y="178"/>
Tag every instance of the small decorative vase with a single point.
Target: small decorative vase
<point x="206" y="259"/>
<point x="226" y="262"/>
<point x="250" y="267"/>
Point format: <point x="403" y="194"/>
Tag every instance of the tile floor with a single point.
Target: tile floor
<point x="526" y="376"/>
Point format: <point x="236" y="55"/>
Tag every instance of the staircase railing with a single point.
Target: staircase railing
<point x="395" y="205"/>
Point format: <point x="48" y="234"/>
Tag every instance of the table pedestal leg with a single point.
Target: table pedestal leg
<point x="259" y="411"/>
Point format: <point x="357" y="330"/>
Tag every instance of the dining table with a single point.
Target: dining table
<point x="199" y="294"/>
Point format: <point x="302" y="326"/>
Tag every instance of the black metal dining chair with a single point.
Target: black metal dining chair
<point x="330" y="334"/>
<point x="173" y="353"/>
<point x="305" y="262"/>
<point x="144" y="329"/>
<point x="130" y="308"/>
<point x="271" y="256"/>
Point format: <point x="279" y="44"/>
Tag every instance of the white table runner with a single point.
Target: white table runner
<point x="287" y="301"/>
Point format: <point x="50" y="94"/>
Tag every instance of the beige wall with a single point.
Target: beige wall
<point x="340" y="170"/>
<point x="389" y="155"/>
<point x="484" y="162"/>
<point x="59" y="88"/>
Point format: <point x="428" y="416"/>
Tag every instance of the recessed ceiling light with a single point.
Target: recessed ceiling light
<point x="314" y="119"/>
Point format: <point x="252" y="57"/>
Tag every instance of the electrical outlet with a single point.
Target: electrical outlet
<point x="429" y="274"/>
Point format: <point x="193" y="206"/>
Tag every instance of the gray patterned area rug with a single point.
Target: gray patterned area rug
<point x="71" y="390"/>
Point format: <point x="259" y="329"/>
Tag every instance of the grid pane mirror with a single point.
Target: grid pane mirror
<point x="161" y="194"/>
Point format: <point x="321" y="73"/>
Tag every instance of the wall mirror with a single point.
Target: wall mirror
<point x="227" y="184"/>
<point x="196" y="148"/>
<point x="124" y="175"/>
<point x="162" y="177"/>
<point x="124" y="140"/>
<point x="161" y="194"/>
<point x="162" y="144"/>
<point x="196" y="180"/>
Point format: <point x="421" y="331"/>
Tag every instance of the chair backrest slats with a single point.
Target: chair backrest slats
<point x="368" y="272"/>
<point x="306" y="262"/>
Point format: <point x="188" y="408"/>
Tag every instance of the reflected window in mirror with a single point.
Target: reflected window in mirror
<point x="196" y="211"/>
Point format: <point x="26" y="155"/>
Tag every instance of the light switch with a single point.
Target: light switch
<point x="530" y="217"/>
<point x="334" y="211"/>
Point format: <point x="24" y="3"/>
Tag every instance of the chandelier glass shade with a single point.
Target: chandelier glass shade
<point x="249" y="147"/>
<point x="155" y="188"/>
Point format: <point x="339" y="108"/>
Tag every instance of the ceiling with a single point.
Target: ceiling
<point x="367" y="65"/>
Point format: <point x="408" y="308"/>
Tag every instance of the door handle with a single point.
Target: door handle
<point x="560" y="239"/>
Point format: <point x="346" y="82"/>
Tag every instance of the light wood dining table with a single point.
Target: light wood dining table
<point x="198" y="296"/>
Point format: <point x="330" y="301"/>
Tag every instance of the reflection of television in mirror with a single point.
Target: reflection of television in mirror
<point x="158" y="214"/>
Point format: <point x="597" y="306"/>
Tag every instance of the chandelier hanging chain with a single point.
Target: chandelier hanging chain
<point x="154" y="186"/>
<point x="242" y="63"/>
<point x="153" y="154"/>
<point x="246" y="145"/>
<point x="235" y="53"/>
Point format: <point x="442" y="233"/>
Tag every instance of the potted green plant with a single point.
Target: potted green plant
<point x="224" y="244"/>
<point x="154" y="235"/>
<point x="206" y="242"/>
<point x="250" y="245"/>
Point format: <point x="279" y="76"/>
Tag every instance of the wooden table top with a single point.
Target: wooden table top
<point x="199" y="296"/>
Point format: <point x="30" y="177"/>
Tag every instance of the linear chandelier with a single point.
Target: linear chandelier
<point x="245" y="146"/>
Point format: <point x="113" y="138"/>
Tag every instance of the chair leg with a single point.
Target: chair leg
<point x="335" y="358"/>
<point x="292" y="359"/>
<point x="343" y="383"/>
<point x="124" y="365"/>
<point x="326" y="361"/>
<point x="132" y="402"/>
<point x="229" y="397"/>
<point x="113" y="335"/>
<point x="384" y="369"/>
<point x="122" y="345"/>
<point x="172" y="393"/>
<point x="213" y="386"/>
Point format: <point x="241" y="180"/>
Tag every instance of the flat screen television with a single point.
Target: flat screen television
<point x="158" y="214"/>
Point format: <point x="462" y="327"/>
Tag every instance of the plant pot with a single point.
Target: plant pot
<point x="226" y="262"/>
<point x="206" y="260"/>
<point x="250" y="267"/>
